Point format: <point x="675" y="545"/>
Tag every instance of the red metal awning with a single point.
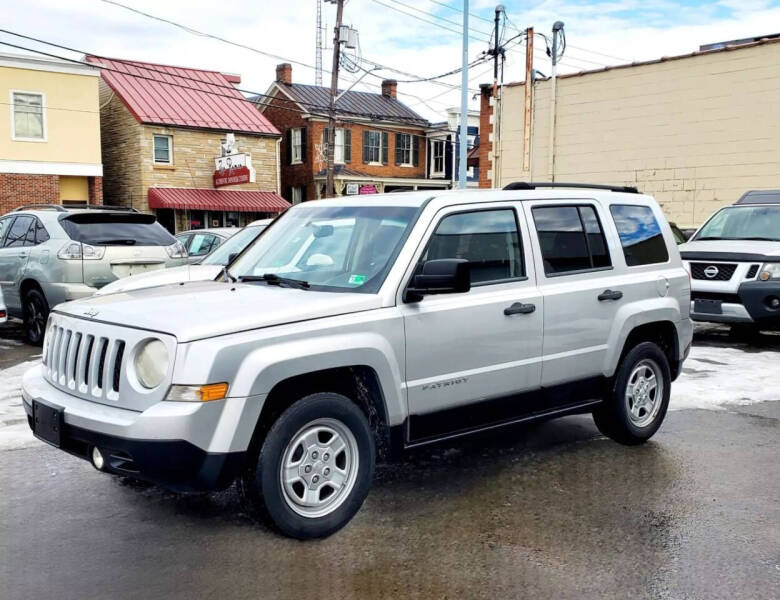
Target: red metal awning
<point x="210" y="199"/>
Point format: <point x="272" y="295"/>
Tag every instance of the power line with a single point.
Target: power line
<point x="267" y="102"/>
<point x="434" y="23"/>
<point x="184" y="77"/>
<point x="434" y="16"/>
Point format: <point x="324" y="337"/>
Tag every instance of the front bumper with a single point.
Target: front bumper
<point x="163" y="444"/>
<point x="750" y="304"/>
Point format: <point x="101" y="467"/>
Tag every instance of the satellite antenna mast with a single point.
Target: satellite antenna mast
<point x="318" y="61"/>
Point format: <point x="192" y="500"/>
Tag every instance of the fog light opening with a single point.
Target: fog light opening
<point x="97" y="458"/>
<point x="773" y="302"/>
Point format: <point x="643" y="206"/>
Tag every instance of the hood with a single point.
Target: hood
<point x="197" y="310"/>
<point x="747" y="250"/>
<point x="161" y="277"/>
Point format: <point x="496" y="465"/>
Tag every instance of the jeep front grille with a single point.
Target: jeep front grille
<point x="83" y="362"/>
<point x="712" y="271"/>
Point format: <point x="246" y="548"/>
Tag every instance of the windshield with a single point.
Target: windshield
<point x="116" y="229"/>
<point x="333" y="248"/>
<point x="743" y="223"/>
<point x="233" y="245"/>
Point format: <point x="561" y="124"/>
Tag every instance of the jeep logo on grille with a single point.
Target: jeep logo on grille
<point x="711" y="271"/>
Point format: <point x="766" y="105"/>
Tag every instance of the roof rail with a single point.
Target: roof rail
<point x="531" y="185"/>
<point x="57" y="207"/>
<point x="86" y="206"/>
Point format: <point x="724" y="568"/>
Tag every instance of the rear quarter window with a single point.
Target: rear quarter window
<point x="640" y="235"/>
<point x="120" y="229"/>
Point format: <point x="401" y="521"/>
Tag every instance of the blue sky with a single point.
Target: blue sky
<point x="605" y="32"/>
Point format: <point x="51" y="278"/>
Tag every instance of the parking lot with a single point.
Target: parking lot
<point x="548" y="510"/>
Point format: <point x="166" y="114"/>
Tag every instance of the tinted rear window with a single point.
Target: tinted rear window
<point x="571" y="239"/>
<point x="108" y="229"/>
<point x="640" y="234"/>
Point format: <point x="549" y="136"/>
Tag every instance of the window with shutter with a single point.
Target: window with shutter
<point x="374" y="147"/>
<point x="347" y="145"/>
<point x="383" y="147"/>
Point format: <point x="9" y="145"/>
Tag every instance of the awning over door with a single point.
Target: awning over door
<point x="211" y="199"/>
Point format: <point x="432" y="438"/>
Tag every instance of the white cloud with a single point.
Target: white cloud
<point x="627" y="29"/>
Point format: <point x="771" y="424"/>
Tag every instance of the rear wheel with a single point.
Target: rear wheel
<point x="637" y="404"/>
<point x="314" y="469"/>
<point x="36" y="313"/>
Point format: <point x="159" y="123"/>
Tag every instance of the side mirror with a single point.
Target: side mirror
<point x="443" y="276"/>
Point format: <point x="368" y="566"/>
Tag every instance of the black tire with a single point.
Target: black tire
<point x="613" y="417"/>
<point x="36" y="313"/>
<point x="261" y="485"/>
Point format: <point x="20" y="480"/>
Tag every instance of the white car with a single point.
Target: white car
<point x="396" y="320"/>
<point x="208" y="268"/>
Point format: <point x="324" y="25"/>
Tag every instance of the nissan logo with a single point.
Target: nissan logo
<point x="711" y="272"/>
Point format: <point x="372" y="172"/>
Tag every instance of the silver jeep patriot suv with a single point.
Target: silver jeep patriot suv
<point x="356" y="327"/>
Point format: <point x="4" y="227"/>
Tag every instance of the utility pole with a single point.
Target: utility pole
<point x="318" y="49"/>
<point x="464" y="100"/>
<point x="557" y="29"/>
<point x="334" y="89"/>
<point x="528" y="93"/>
<point x="496" y="52"/>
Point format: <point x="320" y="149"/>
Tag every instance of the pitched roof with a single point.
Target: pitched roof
<point x="209" y="199"/>
<point x="316" y="99"/>
<point x="182" y="97"/>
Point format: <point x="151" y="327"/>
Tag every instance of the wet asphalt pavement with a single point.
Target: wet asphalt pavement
<point x="552" y="510"/>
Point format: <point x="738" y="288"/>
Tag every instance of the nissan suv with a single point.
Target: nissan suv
<point x="734" y="262"/>
<point x="51" y="254"/>
<point x="355" y="328"/>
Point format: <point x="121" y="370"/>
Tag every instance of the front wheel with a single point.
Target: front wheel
<point x="36" y="312"/>
<point x="314" y="468"/>
<point x="637" y="403"/>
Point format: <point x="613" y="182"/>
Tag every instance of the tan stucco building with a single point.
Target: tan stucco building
<point x="49" y="132"/>
<point x="695" y="131"/>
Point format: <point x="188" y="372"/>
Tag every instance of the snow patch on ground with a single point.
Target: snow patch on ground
<point x="714" y="378"/>
<point x="14" y="430"/>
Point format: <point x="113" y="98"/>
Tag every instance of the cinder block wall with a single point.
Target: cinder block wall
<point x="695" y="132"/>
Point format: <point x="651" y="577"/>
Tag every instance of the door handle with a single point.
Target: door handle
<point x="610" y="295"/>
<point x="518" y="308"/>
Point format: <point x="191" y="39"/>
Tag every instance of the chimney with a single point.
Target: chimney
<point x="389" y="88"/>
<point x="284" y="73"/>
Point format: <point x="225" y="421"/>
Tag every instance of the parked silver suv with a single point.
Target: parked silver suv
<point x="51" y="254"/>
<point x="356" y="327"/>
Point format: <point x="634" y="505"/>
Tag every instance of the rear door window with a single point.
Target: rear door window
<point x="17" y="234"/>
<point x="571" y="239"/>
<point x="640" y="234"/>
<point x="116" y="229"/>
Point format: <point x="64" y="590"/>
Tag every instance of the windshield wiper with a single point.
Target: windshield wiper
<point x="228" y="275"/>
<point x="759" y="239"/>
<point x="274" y="279"/>
<point x="709" y="237"/>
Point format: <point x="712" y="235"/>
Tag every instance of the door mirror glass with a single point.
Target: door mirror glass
<point x="441" y="276"/>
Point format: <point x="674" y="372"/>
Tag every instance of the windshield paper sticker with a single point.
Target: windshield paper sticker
<point x="357" y="279"/>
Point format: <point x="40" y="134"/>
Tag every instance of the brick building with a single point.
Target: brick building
<point x="695" y="131"/>
<point x="185" y="143"/>
<point x="51" y="104"/>
<point x="381" y="144"/>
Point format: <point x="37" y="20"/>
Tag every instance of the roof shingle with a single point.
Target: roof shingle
<point x="316" y="99"/>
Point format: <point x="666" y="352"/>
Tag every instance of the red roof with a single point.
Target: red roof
<point x="209" y="199"/>
<point x="164" y="95"/>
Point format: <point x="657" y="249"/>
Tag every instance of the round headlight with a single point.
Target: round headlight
<point x="151" y="363"/>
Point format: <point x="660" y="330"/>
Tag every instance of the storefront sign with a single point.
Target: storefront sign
<point x="352" y="189"/>
<point x="233" y="169"/>
<point x="368" y="189"/>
